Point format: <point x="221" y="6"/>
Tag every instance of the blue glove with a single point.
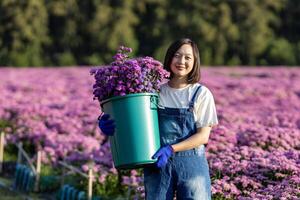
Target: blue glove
<point x="106" y="125"/>
<point x="163" y="155"/>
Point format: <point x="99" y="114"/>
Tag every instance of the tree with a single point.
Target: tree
<point x="23" y="32"/>
<point x="64" y="17"/>
<point x="111" y="26"/>
<point x="281" y="52"/>
<point x="254" y="20"/>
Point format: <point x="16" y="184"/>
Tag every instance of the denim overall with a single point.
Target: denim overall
<point x="186" y="172"/>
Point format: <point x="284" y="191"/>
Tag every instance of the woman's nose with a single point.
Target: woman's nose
<point x="181" y="60"/>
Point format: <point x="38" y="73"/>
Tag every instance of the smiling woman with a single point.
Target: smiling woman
<point x="186" y="116"/>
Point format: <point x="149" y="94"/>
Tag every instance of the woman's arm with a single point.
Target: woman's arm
<point x="199" y="138"/>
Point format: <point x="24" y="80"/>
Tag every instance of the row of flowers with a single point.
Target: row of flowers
<point x="253" y="154"/>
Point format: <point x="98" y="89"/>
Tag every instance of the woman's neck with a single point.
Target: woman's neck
<point x="178" y="83"/>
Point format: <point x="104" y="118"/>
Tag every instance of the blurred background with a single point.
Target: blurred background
<point x="76" y="32"/>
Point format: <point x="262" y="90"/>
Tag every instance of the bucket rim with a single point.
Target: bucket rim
<point x="127" y="95"/>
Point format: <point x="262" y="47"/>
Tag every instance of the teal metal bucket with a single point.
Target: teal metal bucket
<point x="136" y="138"/>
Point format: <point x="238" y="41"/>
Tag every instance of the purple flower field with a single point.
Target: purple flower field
<point x="254" y="152"/>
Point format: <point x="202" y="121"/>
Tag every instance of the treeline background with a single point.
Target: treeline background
<point x="88" y="32"/>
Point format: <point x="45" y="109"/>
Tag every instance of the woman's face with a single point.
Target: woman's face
<point x="183" y="61"/>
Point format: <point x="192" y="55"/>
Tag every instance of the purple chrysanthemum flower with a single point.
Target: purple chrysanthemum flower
<point x="127" y="75"/>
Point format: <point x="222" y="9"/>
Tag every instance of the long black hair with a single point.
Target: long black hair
<point x="194" y="76"/>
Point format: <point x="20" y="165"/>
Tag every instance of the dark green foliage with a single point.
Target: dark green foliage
<point x="74" y="32"/>
<point x="23" y="32"/>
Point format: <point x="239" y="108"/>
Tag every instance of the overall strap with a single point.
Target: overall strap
<point x="191" y="104"/>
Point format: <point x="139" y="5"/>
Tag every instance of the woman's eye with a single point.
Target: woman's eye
<point x="188" y="58"/>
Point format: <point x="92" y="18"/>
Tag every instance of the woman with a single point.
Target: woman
<point x="186" y="117"/>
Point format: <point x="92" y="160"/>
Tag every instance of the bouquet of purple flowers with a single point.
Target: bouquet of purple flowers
<point x="127" y="76"/>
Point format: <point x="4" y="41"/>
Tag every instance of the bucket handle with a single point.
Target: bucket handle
<point x="153" y="100"/>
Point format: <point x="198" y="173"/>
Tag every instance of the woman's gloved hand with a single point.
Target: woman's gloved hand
<point x="106" y="125"/>
<point x="163" y="155"/>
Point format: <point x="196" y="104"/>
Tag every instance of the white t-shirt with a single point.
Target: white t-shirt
<point x="204" y="108"/>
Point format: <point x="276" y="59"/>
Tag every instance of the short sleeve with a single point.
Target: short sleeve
<point x="205" y="112"/>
